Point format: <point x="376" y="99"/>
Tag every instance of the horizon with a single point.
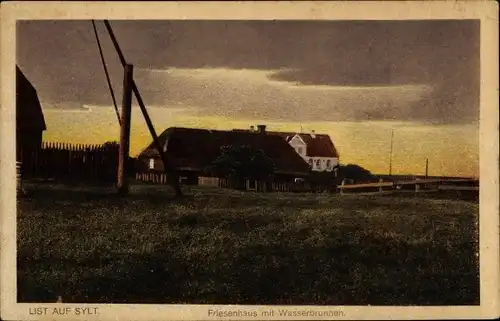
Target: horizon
<point x="374" y="154"/>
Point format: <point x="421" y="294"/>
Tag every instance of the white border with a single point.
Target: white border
<point x="486" y="11"/>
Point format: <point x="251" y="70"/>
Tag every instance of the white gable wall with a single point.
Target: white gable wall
<point x="298" y="144"/>
<point x="322" y="163"/>
<point x="318" y="163"/>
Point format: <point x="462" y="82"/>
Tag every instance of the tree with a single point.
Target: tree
<point x="239" y="163"/>
<point x="356" y="173"/>
<point x="323" y="180"/>
<point x="111" y="145"/>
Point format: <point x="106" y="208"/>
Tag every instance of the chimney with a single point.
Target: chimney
<point x="313" y="133"/>
<point x="252" y="128"/>
<point x="261" y="129"/>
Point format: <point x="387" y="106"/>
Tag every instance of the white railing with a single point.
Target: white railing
<point x="420" y="185"/>
<point x="378" y="187"/>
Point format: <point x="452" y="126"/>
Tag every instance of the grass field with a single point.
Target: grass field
<point x="219" y="247"/>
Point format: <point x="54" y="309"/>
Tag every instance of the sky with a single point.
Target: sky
<point x="354" y="80"/>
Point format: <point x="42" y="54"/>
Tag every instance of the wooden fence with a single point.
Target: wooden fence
<point x="460" y="187"/>
<point x="463" y="188"/>
<point x="365" y="188"/>
<point x="152" y="177"/>
<point x="71" y="162"/>
<point x="161" y="178"/>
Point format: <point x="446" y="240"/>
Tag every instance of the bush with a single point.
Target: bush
<point x="355" y="173"/>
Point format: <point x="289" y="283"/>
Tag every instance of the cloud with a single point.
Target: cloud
<point x="250" y="93"/>
<point x="295" y="70"/>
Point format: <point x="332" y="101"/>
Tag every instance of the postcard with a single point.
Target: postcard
<point x="249" y="160"/>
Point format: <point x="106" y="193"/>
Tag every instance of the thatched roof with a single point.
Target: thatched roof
<point x="196" y="149"/>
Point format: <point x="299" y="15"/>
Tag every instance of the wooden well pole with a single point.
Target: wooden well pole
<point x="172" y="174"/>
<point x="123" y="156"/>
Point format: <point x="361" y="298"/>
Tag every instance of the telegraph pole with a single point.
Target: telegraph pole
<point x="123" y="157"/>
<point x="388" y="72"/>
<point x="390" y="152"/>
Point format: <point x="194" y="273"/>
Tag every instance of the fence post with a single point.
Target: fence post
<point x="342" y="187"/>
<point x="380" y="190"/>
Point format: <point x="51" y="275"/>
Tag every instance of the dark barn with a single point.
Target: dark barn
<point x="30" y="122"/>
<point x="191" y="151"/>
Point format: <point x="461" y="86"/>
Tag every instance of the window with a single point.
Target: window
<point x="299" y="150"/>
<point x="310" y="163"/>
<point x="318" y="163"/>
<point x="151" y="163"/>
<point x="328" y="164"/>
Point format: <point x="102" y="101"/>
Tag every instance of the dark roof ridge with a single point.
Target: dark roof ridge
<point x="198" y="147"/>
<point x="29" y="113"/>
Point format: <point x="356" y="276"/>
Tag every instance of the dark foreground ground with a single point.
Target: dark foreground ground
<point x="225" y="247"/>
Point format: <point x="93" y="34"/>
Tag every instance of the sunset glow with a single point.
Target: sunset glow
<point x="452" y="150"/>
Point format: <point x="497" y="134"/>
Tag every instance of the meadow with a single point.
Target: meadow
<point x="218" y="246"/>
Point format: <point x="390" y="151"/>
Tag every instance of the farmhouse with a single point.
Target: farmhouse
<point x="317" y="150"/>
<point x="191" y="151"/>
<point x="30" y="122"/>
